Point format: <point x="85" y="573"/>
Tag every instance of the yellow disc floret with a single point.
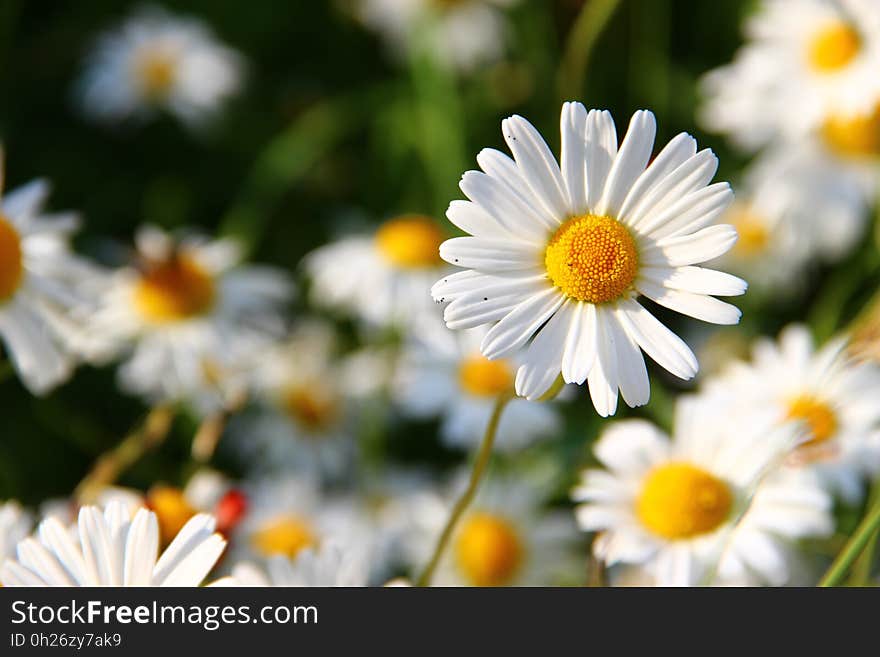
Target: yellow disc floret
<point x="172" y="510"/>
<point x="754" y="235"/>
<point x="286" y="535"/>
<point x="819" y="417"/>
<point x="156" y="72"/>
<point x="488" y="550"/>
<point x="482" y="377"/>
<point x="11" y="264"/>
<point x="410" y="241"/>
<point x="311" y="406"/>
<point x="174" y="290"/>
<point x="854" y="136"/>
<point x="592" y="258"/>
<point x="833" y="47"/>
<point x="680" y="501"/>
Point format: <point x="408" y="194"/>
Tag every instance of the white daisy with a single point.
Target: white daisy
<point x="462" y="34"/>
<point x="328" y="565"/>
<point x="15" y="525"/>
<point x="383" y="278"/>
<point x="158" y="61"/>
<point x="192" y="317"/>
<point x="834" y="395"/>
<point x="113" y="549"/>
<point x="672" y="505"/>
<point x="452" y="379"/>
<point x="806" y="61"/>
<point x="559" y="256"/>
<point x="44" y="287"/>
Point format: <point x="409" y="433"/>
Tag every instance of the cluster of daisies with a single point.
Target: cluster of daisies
<point x="548" y="287"/>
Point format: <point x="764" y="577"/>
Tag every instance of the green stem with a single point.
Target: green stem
<point x="480" y="463"/>
<point x="861" y="572"/>
<point x="582" y="37"/>
<point x="853" y="548"/>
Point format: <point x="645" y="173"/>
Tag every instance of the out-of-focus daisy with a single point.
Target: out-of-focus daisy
<point x="818" y="56"/>
<point x="560" y="254"/>
<point x="383" y="278"/>
<point x="304" y="420"/>
<point x="44" y="288"/>
<point x="192" y="316"/>
<point x="452" y="379"/>
<point x="328" y="565"/>
<point x="672" y="505"/>
<point x="833" y="395"/>
<point x="15" y="525"/>
<point x="459" y="33"/>
<point x="110" y="548"/>
<point x="158" y="61"/>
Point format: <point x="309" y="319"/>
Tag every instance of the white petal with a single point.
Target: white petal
<point x="630" y="163"/>
<point x="697" y="280"/>
<point x="601" y="151"/>
<point x="698" y="306"/>
<point x="580" y="344"/>
<point x="690" y="213"/>
<point x="674" y="154"/>
<point x="537" y="164"/>
<point x="472" y="219"/>
<point x="603" y="375"/>
<point x="665" y="347"/>
<point x="543" y="358"/>
<point x="573" y="158"/>
<point x="502" y="168"/>
<point x="631" y="370"/>
<point x="681" y="250"/>
<point x="505" y="206"/>
<point x="141" y="549"/>
<point x="490" y="255"/>
<point x="512" y="332"/>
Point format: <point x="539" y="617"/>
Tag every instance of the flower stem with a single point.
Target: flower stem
<point x="211" y="429"/>
<point x="461" y="505"/>
<point x="854" y="547"/>
<point x="587" y="28"/>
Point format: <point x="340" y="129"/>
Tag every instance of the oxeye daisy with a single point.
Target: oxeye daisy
<point x="44" y="288"/>
<point x="158" y="61"/>
<point x="383" y="278"/>
<point x="560" y="253"/>
<point x="673" y="506"/>
<point x="191" y="316"/>
<point x="15" y="525"/>
<point x="828" y="391"/>
<point x="447" y="376"/>
<point x="110" y="548"/>
<point x="328" y="565"/>
<point x="817" y="56"/>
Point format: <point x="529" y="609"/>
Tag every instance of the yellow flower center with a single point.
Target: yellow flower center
<point x="482" y="377"/>
<point x="833" y="47"/>
<point x="172" y="510"/>
<point x="410" y="242"/>
<point x="311" y="406"/>
<point x="11" y="264"/>
<point x="287" y="536"/>
<point x="680" y="501"/>
<point x="489" y="550"/>
<point x="156" y="72"/>
<point x="754" y="236"/>
<point x="817" y="415"/>
<point x="174" y="290"/>
<point x="854" y="136"/>
<point x="592" y="258"/>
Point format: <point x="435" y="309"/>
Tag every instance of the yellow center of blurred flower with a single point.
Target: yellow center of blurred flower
<point x="753" y="233"/>
<point x="312" y="407"/>
<point x="817" y="415"/>
<point x="489" y="550"/>
<point x="174" y="290"/>
<point x="172" y="510"/>
<point x="287" y="536"/>
<point x="592" y="258"/>
<point x="680" y="501"/>
<point x="155" y="71"/>
<point x="482" y="377"/>
<point x="11" y="264"/>
<point x="410" y="242"/>
<point x="854" y="136"/>
<point x="833" y="47"/>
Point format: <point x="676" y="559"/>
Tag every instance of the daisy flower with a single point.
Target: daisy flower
<point x="827" y="390"/>
<point x="15" y="525"/>
<point x="158" y="61"/>
<point x="560" y="254"/>
<point x="191" y="317"/>
<point x="818" y="56"/>
<point x="461" y="34"/>
<point x="327" y="566"/>
<point x="110" y="548"/>
<point x="383" y="278"/>
<point x="672" y="506"/>
<point x="44" y="287"/>
<point x="452" y="379"/>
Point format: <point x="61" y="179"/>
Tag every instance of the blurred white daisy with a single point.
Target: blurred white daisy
<point x="110" y="548"/>
<point x="462" y="34"/>
<point x="384" y="278"/>
<point x="561" y="253"/>
<point x="158" y="61"/>
<point x="818" y="56"/>
<point x="44" y="288"/>
<point x="450" y="378"/>
<point x="15" y="525"/>
<point x="328" y="565"/>
<point x="191" y="316"/>
<point x="672" y="506"/>
<point x="827" y="390"/>
<point x="304" y="420"/>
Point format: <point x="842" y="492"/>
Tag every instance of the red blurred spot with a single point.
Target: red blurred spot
<point x="230" y="510"/>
